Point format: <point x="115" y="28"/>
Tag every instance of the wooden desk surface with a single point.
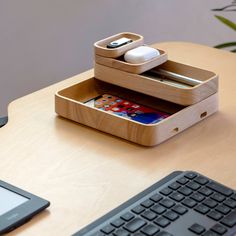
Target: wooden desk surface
<point x="86" y="173"/>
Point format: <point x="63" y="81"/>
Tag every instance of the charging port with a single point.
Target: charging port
<point x="203" y="114"/>
<point x="175" y="130"/>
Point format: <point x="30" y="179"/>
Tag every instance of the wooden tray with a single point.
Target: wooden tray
<point x="120" y="64"/>
<point x="69" y="103"/>
<point x="155" y="88"/>
<point x="100" y="47"/>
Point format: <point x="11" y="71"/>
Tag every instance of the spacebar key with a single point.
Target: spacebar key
<point x="230" y="219"/>
<point x="135" y="224"/>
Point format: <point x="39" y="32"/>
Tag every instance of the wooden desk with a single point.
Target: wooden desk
<point x="86" y="173"/>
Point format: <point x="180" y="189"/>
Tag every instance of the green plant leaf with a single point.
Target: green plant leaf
<point x="227" y="22"/>
<point x="226" y="45"/>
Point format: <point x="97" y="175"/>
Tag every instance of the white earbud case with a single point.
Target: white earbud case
<point x="141" y="54"/>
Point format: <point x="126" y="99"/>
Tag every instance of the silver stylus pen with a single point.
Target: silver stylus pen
<point x="166" y="80"/>
<point x="180" y="78"/>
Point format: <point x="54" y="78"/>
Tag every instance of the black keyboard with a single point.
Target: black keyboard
<point x="181" y="204"/>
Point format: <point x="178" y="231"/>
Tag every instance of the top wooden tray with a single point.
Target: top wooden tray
<point x="100" y="47"/>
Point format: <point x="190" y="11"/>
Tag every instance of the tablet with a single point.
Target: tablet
<point x="17" y="206"/>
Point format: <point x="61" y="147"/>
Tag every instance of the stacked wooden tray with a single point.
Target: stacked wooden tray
<point x="186" y="105"/>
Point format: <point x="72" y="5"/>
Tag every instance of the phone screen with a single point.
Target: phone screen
<point x="127" y="109"/>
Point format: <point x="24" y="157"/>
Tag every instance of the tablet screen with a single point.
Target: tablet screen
<point x="10" y="200"/>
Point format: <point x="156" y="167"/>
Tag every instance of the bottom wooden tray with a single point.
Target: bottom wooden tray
<point x="69" y="103"/>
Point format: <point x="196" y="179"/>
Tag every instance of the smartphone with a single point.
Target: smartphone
<point x="127" y="109"/>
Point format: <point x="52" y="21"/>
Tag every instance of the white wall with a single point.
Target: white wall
<point x="45" y="41"/>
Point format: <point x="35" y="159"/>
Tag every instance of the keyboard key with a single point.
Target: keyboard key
<point x="171" y="215"/>
<point x="135" y="225"/>
<point x="108" y="229"/>
<point x="164" y="233"/>
<point x="220" y="189"/>
<point x="161" y="221"/>
<point x="202" y="209"/>
<point x="156" y="197"/>
<point x="230" y="220"/>
<point x="234" y="196"/>
<point x="167" y="203"/>
<point x="210" y="233"/>
<point x="150" y="229"/>
<point x="174" y="186"/>
<point x="185" y="191"/>
<point x="177" y="196"/>
<point x="182" y="180"/>
<point x="201" y="180"/>
<point x="215" y="215"/>
<point x="197" y="197"/>
<point x="180" y="209"/>
<point x="210" y="203"/>
<point x="117" y="223"/>
<point x="219" y="229"/>
<point x="190" y="175"/>
<point x="218" y="197"/>
<point x="121" y="232"/>
<point x="205" y="191"/>
<point x="166" y="191"/>
<point x="138" y="209"/>
<point x="189" y="202"/>
<point x="197" y="229"/>
<point x="147" y="203"/>
<point x="127" y="216"/>
<point x="230" y="203"/>
<point x="223" y="209"/>
<point x="138" y="234"/>
<point x="193" y="185"/>
<point x="149" y="215"/>
<point x="158" y="209"/>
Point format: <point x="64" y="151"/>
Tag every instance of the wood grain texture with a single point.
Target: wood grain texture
<point x="146" y="85"/>
<point x="120" y="64"/>
<point x="100" y="47"/>
<point x="69" y="104"/>
<point x="85" y="173"/>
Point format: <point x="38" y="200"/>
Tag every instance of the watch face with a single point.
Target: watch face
<point x="127" y="109"/>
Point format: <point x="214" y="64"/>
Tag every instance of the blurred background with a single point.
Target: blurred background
<point x="43" y="42"/>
